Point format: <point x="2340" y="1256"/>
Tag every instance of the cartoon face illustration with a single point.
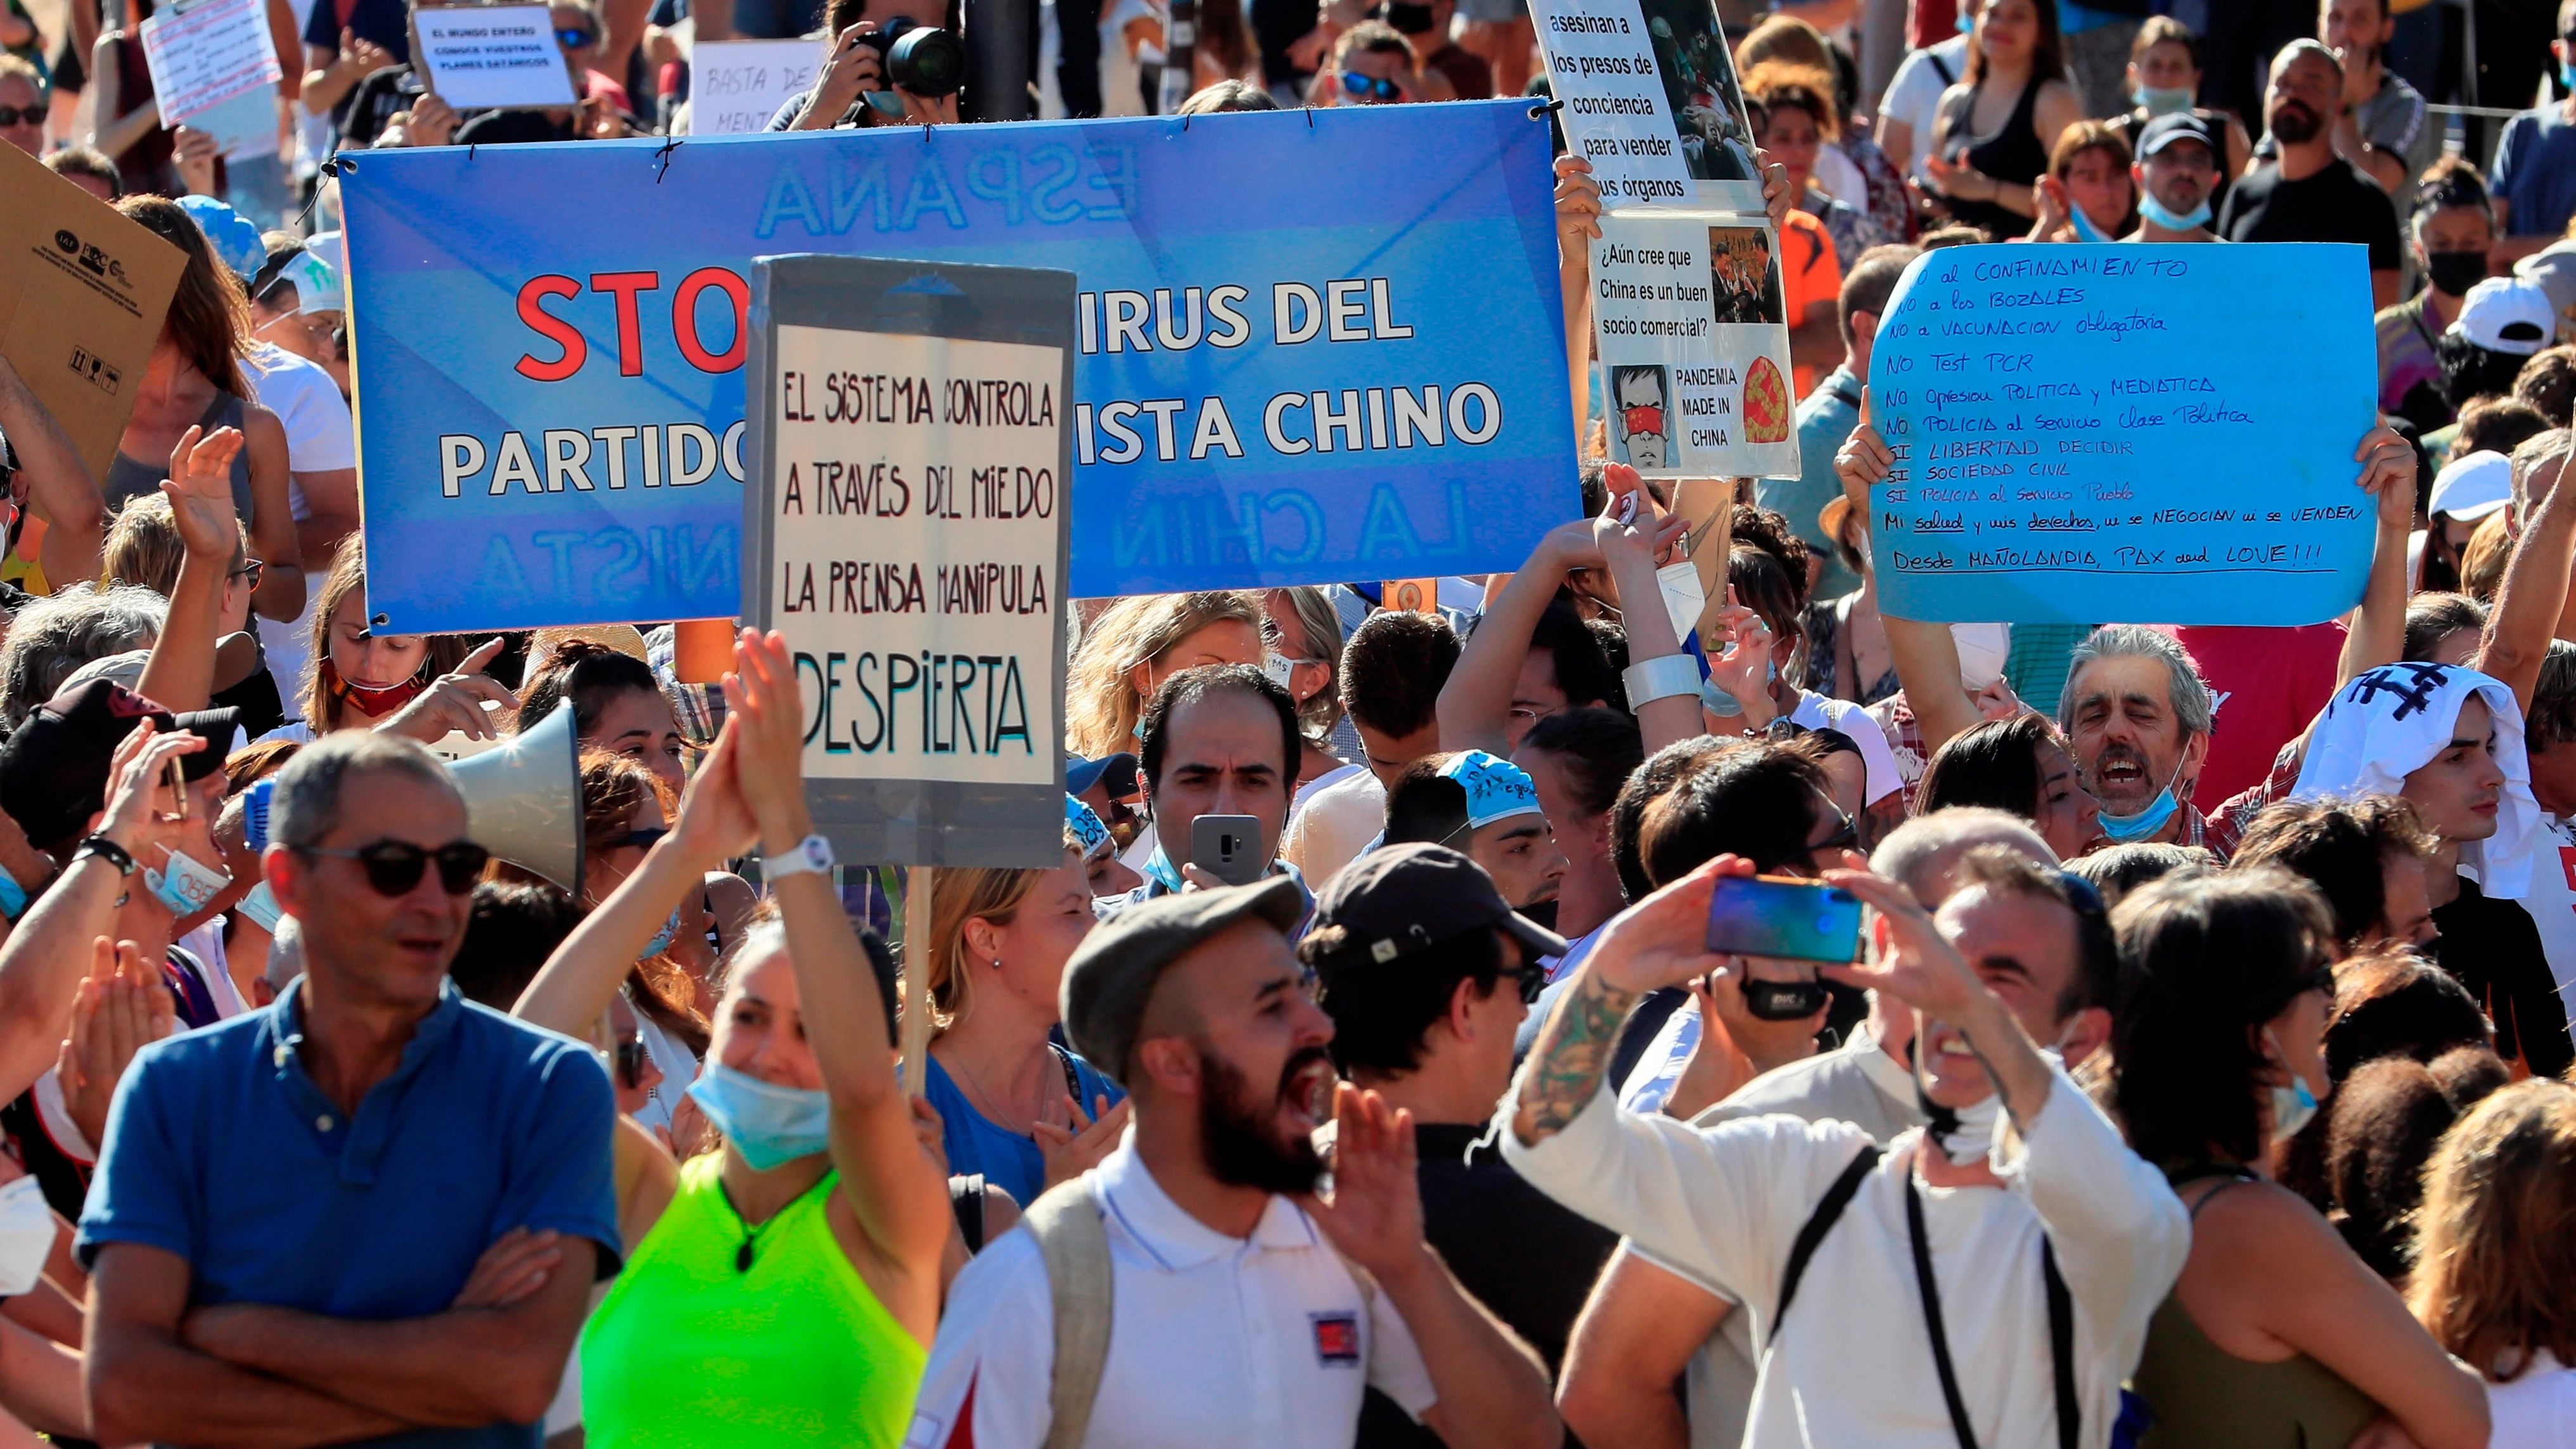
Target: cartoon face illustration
<point x="1642" y="419"/>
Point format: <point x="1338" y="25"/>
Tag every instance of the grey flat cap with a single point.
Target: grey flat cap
<point x="1113" y="971"/>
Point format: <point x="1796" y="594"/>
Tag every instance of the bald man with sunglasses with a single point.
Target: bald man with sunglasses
<point x="372" y="1211"/>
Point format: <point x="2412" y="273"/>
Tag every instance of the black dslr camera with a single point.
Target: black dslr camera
<point x="924" y="59"/>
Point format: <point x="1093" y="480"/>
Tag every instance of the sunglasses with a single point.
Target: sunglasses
<point x="573" y="39"/>
<point x="1357" y="85"/>
<point x="22" y="115"/>
<point x="1532" y="980"/>
<point x="394" y="867"/>
<point x="630" y="1061"/>
<point x="644" y="839"/>
<point x="251" y="571"/>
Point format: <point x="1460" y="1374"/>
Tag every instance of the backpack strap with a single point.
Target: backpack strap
<point x="966" y="1203"/>
<point x="1829" y="1208"/>
<point x="2061" y="1346"/>
<point x="1941" y="68"/>
<point x="1074" y="1243"/>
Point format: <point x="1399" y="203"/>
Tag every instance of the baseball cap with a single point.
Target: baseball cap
<point x="1081" y="774"/>
<point x="2175" y="126"/>
<point x="1401" y="899"/>
<point x="1113" y="972"/>
<point x="1083" y="823"/>
<point x="315" y="280"/>
<point x="235" y="241"/>
<point x="2506" y="314"/>
<point x="1496" y="788"/>
<point x="2470" y="488"/>
<point x="54" y="769"/>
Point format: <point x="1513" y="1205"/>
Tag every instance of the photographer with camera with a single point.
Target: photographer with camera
<point x="892" y="63"/>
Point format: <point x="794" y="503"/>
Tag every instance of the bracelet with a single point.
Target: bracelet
<point x="1666" y="676"/>
<point x="106" y="850"/>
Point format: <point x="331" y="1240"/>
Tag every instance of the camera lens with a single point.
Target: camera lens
<point x="927" y="61"/>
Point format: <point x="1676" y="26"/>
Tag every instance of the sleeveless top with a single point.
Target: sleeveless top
<point x="2204" y="1397"/>
<point x="689" y="1349"/>
<point x="2011" y="155"/>
<point x="130" y="478"/>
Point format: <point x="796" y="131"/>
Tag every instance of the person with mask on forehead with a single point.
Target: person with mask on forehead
<point x="2177" y="174"/>
<point x="1486" y="809"/>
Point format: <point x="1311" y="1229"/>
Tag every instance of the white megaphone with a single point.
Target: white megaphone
<point x="523" y="799"/>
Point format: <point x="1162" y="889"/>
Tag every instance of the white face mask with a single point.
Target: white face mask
<point x="26" y="1236"/>
<point x="188" y="884"/>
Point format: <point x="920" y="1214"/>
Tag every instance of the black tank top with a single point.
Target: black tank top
<point x="2012" y="155"/>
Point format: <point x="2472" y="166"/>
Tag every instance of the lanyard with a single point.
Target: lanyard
<point x="2061" y="1331"/>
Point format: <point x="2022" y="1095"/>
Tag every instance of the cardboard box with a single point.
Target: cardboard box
<point x="82" y="291"/>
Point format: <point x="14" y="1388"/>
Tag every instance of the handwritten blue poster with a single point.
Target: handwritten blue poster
<point x="2092" y="433"/>
<point x="1310" y="347"/>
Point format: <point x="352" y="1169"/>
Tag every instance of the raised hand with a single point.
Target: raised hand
<point x="1578" y="207"/>
<point x="1663" y="940"/>
<point x="516" y="1265"/>
<point x="433" y="123"/>
<point x="769" y="759"/>
<point x="1375" y="1213"/>
<point x="143" y="807"/>
<point x="2388" y="473"/>
<point x="1923" y="969"/>
<point x="1775" y="188"/>
<point x="1076" y="1145"/>
<point x="852" y="67"/>
<point x="454" y="702"/>
<point x="121" y="1009"/>
<point x="194" y="153"/>
<point x="200" y="490"/>
<point x="715" y="824"/>
<point x="1864" y="460"/>
<point x="1742" y="667"/>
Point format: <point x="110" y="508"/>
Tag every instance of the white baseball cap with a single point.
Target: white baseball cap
<point x="2507" y="314"/>
<point x="2470" y="488"/>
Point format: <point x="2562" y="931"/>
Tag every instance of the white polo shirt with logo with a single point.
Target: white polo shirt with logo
<point x="1263" y="1342"/>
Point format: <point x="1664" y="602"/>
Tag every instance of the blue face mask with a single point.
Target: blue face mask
<point x="2292" y="1103"/>
<point x="768" y="1125"/>
<point x="2567" y="74"/>
<point x="2164" y="100"/>
<point x="2170" y="219"/>
<point x="662" y="938"/>
<point x="2124" y="828"/>
<point x="2085" y="230"/>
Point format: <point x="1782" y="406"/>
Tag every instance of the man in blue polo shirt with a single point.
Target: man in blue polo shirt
<point x="372" y="1212"/>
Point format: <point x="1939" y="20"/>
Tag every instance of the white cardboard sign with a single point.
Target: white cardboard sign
<point x="204" y="54"/>
<point x="735" y="86"/>
<point x="1651" y="101"/>
<point x="1694" y="353"/>
<point x="477" y="57"/>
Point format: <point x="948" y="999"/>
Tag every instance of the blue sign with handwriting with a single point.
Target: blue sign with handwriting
<point x="1312" y="347"/>
<point x="2095" y="433"/>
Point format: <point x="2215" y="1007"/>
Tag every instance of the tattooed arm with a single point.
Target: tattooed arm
<point x="1658" y="942"/>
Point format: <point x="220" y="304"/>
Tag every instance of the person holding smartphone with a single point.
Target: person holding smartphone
<point x="1219" y="766"/>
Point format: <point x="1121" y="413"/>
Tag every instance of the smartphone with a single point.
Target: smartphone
<point x="1229" y="847"/>
<point x="1765" y="915"/>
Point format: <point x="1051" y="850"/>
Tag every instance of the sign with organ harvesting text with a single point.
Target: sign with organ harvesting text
<point x="2125" y="432"/>
<point x="909" y="445"/>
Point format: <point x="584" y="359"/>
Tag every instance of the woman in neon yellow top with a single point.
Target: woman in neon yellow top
<point x="787" y="1294"/>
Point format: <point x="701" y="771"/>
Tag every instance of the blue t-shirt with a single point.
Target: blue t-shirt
<point x="221" y="1150"/>
<point x="1006" y="1158"/>
<point x="2535" y="172"/>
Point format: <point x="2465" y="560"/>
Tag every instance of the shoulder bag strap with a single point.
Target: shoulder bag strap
<point x="2061" y="1347"/>
<point x="1942" y="69"/>
<point x="1829" y="1208"/>
<point x="1072" y="1078"/>
<point x="1074" y="1243"/>
<point x="966" y="1204"/>
<point x="1932" y="1316"/>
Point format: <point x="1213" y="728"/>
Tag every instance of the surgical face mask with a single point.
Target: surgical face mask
<point x="2454" y="273"/>
<point x="2172" y="220"/>
<point x="2124" y="828"/>
<point x="2567" y="74"/>
<point x="662" y="938"/>
<point x="371" y="700"/>
<point x="2164" y="100"/>
<point x="1966" y="1134"/>
<point x="768" y="1125"/>
<point x="2292" y="1103"/>
<point x="26" y="1236"/>
<point x="260" y="908"/>
<point x="186" y="887"/>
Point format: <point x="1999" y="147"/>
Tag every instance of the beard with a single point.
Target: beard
<point x="1539" y="913"/>
<point x="2294" y="123"/>
<point x="1236" y="1132"/>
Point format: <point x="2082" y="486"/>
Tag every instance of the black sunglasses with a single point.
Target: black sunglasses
<point x="394" y="867"/>
<point x="1531" y="979"/>
<point x="252" y="571"/>
<point x="22" y="115"/>
<point x="644" y="839"/>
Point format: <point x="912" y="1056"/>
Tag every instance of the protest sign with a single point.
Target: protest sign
<point x="479" y="56"/>
<point x="205" y="53"/>
<point x="1651" y="101"/>
<point x="735" y="86"/>
<point x="82" y="290"/>
<point x="1694" y="353"/>
<point x="2083" y="432"/>
<point x="1268" y="391"/>
<point x="908" y="435"/>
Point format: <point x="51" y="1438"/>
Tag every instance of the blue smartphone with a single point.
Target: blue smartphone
<point x="1804" y="920"/>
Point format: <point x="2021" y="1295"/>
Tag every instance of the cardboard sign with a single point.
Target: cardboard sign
<point x="910" y="457"/>
<point x="485" y="56"/>
<point x="1694" y="347"/>
<point x="735" y="86"/>
<point x="2081" y="434"/>
<point x="82" y="290"/>
<point x="1651" y="101"/>
<point x="205" y="53"/>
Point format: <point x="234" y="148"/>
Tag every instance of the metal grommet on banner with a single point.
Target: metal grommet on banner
<point x="1310" y="117"/>
<point x="663" y="155"/>
<point x="1543" y="107"/>
<point x="378" y="621"/>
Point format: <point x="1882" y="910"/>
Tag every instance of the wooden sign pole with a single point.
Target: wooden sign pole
<point x="916" y="980"/>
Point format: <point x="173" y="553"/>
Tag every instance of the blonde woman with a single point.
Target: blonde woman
<point x="1306" y="632"/>
<point x="1013" y="1106"/>
<point x="2495" y="1268"/>
<point x="1138" y="643"/>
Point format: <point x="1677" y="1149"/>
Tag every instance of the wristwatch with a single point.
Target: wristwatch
<point x="811" y="856"/>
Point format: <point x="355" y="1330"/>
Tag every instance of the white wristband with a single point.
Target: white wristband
<point x="1666" y="676"/>
<point x="812" y="856"/>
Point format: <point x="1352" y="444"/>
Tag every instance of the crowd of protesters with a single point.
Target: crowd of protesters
<point x="2203" y="1077"/>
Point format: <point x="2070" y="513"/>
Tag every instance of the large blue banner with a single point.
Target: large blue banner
<point x="1314" y="346"/>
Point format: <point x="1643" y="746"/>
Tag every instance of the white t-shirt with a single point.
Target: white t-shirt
<point x="1332" y="822"/>
<point x="2537" y="1410"/>
<point x="1263" y="1342"/>
<point x="1914" y="97"/>
<point x="2552" y="902"/>
<point x="1120" y="70"/>
<point x="1853" y="722"/>
<point x="319" y="435"/>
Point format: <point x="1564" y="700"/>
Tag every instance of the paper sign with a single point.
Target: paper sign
<point x="204" y="54"/>
<point x="911" y="454"/>
<point x="1687" y="312"/>
<point x="735" y="86"/>
<point x="82" y="290"/>
<point x="243" y="127"/>
<point x="479" y="56"/>
<point x="2083" y="433"/>
<point x="1651" y="101"/>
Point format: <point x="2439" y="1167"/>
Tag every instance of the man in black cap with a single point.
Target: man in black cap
<point x="1426" y="972"/>
<point x="1241" y="1319"/>
<point x="2177" y="173"/>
